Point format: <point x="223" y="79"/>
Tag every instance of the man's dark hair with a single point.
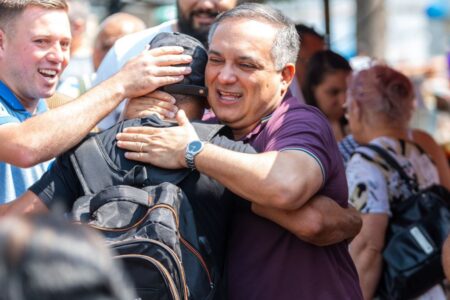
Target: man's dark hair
<point x="319" y="66"/>
<point x="304" y="29"/>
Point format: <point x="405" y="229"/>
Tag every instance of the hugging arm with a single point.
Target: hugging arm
<point x="321" y="221"/>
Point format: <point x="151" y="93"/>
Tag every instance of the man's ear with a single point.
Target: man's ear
<point x="357" y="110"/>
<point x="2" y="41"/>
<point x="287" y="74"/>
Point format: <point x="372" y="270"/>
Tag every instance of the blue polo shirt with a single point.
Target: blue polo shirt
<point x="15" y="181"/>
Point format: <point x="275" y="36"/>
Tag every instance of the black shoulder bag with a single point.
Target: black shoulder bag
<point x="419" y="225"/>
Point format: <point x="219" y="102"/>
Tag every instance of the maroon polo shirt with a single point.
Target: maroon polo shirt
<point x="264" y="260"/>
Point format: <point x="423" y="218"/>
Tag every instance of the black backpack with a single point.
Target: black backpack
<point x="151" y="228"/>
<point x="419" y="225"/>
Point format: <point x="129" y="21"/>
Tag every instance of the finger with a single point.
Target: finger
<point x="163" y="96"/>
<point x="170" y="71"/>
<point x="133" y="137"/>
<point x="161" y="112"/>
<point x="168" y="60"/>
<point x="138" y="156"/>
<point x="181" y="118"/>
<point x="139" y="132"/>
<point x="130" y="146"/>
<point x="158" y="103"/>
<point x="147" y="113"/>
<point x="166" y="50"/>
<point x="166" y="80"/>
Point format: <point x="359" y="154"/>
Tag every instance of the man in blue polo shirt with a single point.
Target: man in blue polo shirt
<point x="34" y="50"/>
<point x="14" y="178"/>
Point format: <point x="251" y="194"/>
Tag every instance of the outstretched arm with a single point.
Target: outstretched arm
<point x="49" y="134"/>
<point x="28" y="203"/>
<point x="321" y="221"/>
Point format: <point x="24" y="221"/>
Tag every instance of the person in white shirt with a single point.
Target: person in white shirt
<point x="194" y="18"/>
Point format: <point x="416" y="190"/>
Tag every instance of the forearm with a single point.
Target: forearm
<point x="28" y="203"/>
<point x="369" y="264"/>
<point x="47" y="135"/>
<point x="269" y="179"/>
<point x="321" y="221"/>
<point x="366" y="251"/>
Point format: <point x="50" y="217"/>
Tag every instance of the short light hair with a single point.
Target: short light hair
<point x="286" y="44"/>
<point x="11" y="9"/>
<point x="382" y="91"/>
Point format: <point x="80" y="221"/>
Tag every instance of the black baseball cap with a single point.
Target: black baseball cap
<point x="194" y="83"/>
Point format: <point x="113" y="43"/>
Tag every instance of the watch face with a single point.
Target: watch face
<point x="195" y="146"/>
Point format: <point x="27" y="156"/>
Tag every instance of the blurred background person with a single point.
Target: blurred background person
<point x="110" y="30"/>
<point x="380" y="104"/>
<point x="80" y="17"/>
<point x="310" y="42"/>
<point x="324" y="86"/>
<point x="43" y="258"/>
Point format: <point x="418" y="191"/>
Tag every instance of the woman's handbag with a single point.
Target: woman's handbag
<point x="419" y="225"/>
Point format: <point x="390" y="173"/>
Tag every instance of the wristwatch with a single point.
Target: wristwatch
<point x="192" y="150"/>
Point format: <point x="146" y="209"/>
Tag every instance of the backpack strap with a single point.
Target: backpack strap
<point x="88" y="158"/>
<point x="384" y="154"/>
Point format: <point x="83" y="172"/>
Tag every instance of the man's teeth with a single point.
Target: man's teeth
<point x="230" y="96"/>
<point x="48" y="72"/>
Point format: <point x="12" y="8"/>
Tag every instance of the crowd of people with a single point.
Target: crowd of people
<point x="290" y="211"/>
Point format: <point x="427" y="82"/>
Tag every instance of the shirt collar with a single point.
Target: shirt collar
<point x="261" y="125"/>
<point x="13" y="102"/>
<point x="9" y="97"/>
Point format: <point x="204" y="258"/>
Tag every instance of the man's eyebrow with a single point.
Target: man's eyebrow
<point x="213" y="52"/>
<point x="243" y="57"/>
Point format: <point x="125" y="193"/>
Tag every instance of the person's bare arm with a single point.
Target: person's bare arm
<point x="446" y="257"/>
<point x="366" y="251"/>
<point x="28" y="203"/>
<point x="51" y="133"/>
<point x="432" y="148"/>
<point x="321" y="221"/>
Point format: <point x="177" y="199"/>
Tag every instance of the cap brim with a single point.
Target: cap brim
<point x="186" y="89"/>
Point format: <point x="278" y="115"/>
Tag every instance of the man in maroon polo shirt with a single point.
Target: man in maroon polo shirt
<point x="251" y="63"/>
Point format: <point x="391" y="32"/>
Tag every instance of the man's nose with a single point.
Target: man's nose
<point x="227" y="75"/>
<point x="56" y="53"/>
<point x="206" y="4"/>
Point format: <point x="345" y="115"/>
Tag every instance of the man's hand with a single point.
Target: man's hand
<point x="157" y="102"/>
<point x="152" y="69"/>
<point x="162" y="147"/>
